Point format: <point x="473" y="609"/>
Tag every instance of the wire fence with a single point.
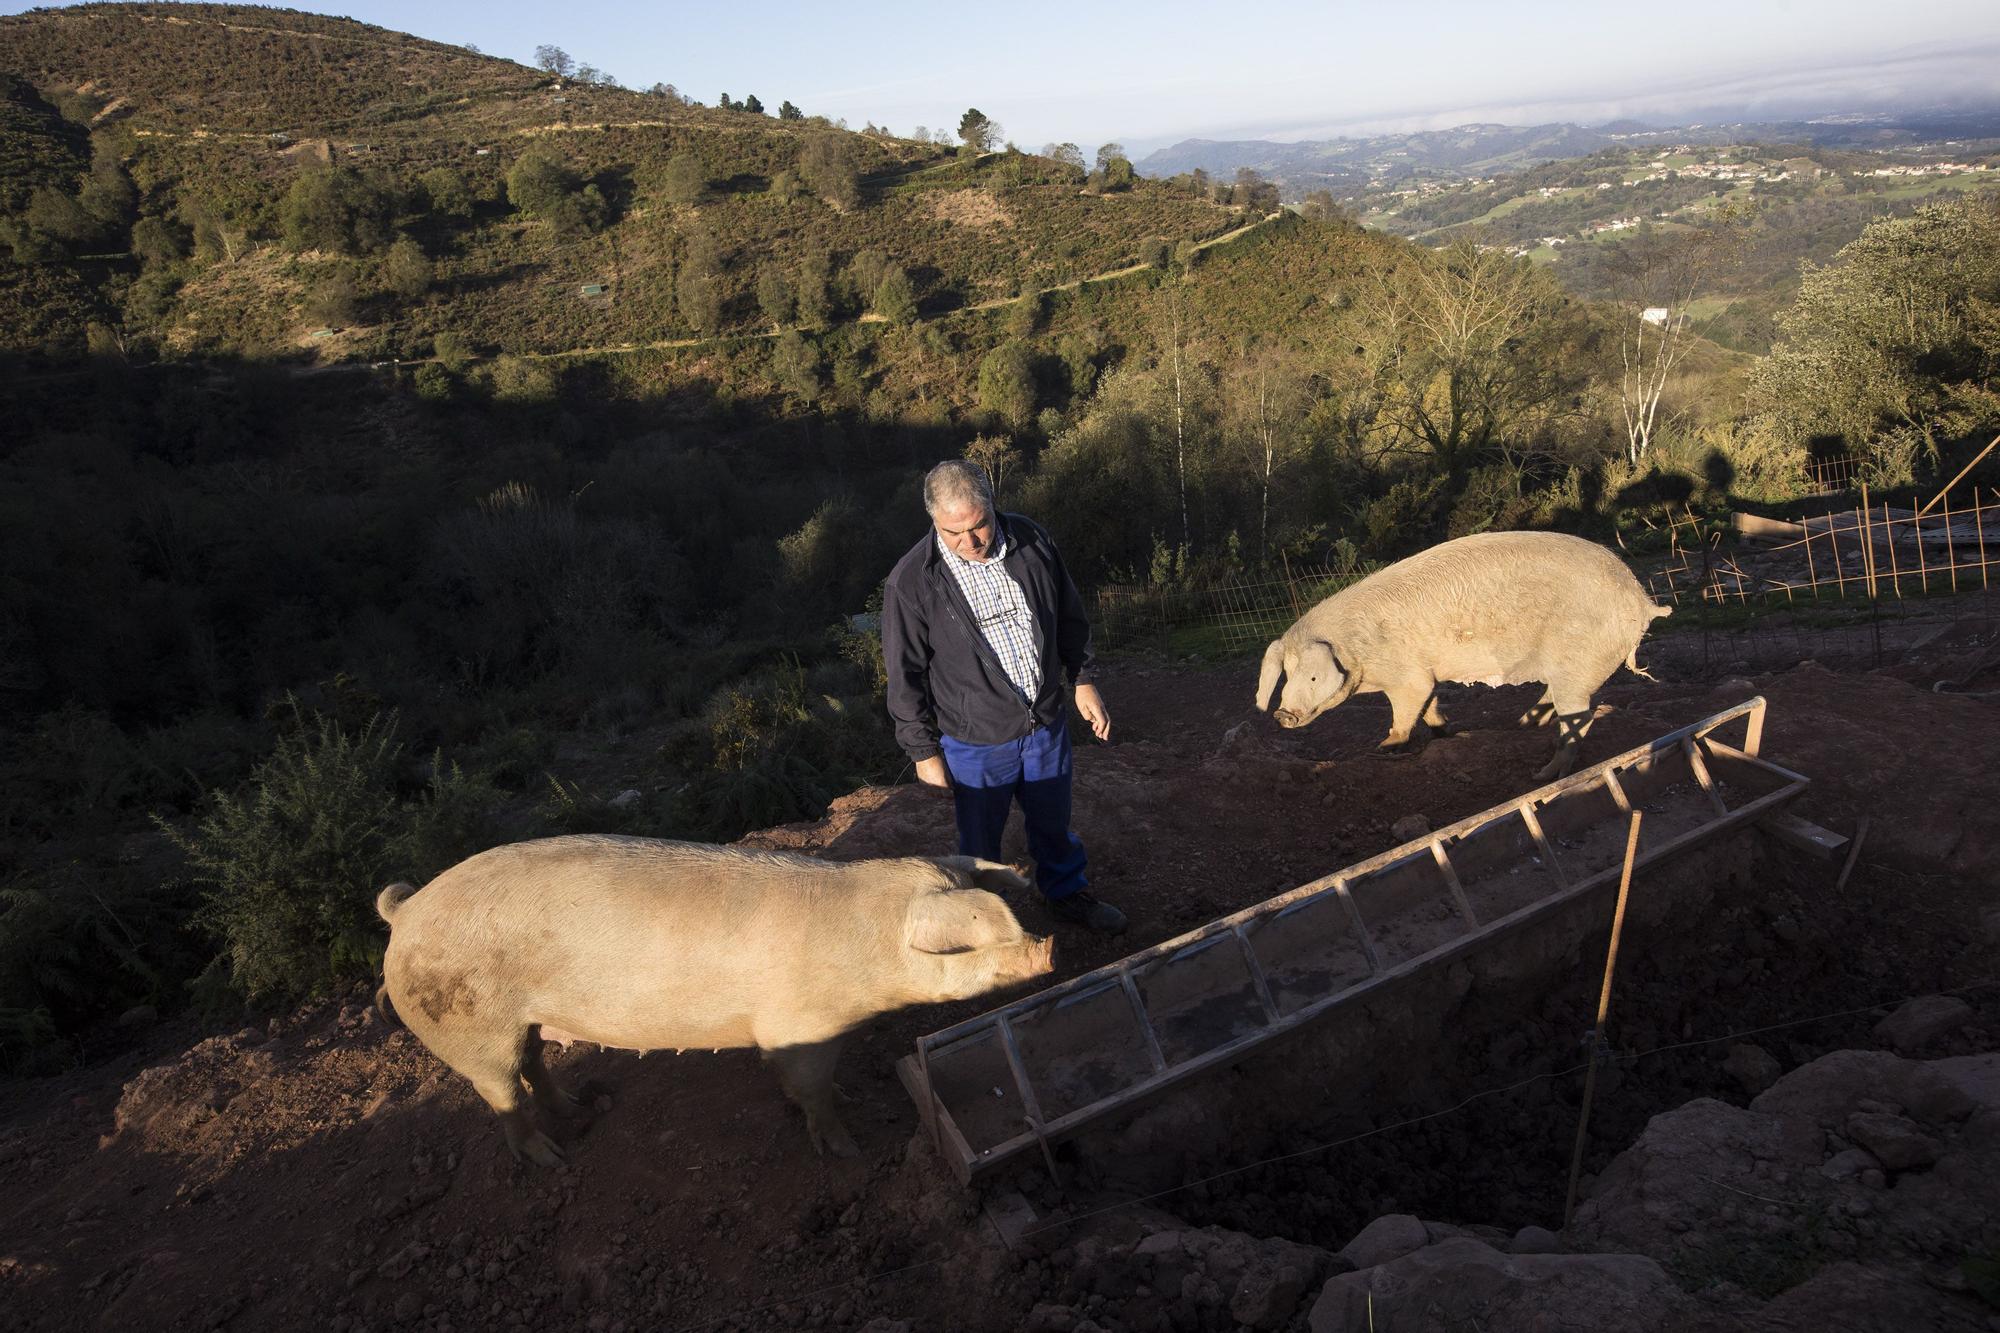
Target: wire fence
<point x="1239" y="612"/>
<point x="1860" y="587"/>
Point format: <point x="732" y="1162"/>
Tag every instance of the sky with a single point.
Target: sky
<point x="1150" y="74"/>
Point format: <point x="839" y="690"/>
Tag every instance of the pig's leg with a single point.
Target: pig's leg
<point x="806" y="1074"/>
<point x="1543" y="710"/>
<point x="1573" y="716"/>
<point x="1435" y="720"/>
<point x="494" y="1070"/>
<point x="1406" y="706"/>
<point x="550" y="1095"/>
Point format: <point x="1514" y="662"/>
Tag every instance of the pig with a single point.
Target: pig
<point x="648" y="944"/>
<point x="1495" y="608"/>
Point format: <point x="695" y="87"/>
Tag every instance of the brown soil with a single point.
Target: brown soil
<point x="320" y="1169"/>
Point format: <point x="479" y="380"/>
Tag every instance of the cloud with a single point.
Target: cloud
<point x="1917" y="78"/>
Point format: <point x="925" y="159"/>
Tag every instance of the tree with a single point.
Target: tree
<point x="542" y="185"/>
<point x="976" y="130"/>
<point x="1660" y="274"/>
<point x="700" y="292"/>
<point x="1114" y="172"/>
<point x="826" y="164"/>
<point x="723" y="103"/>
<point x="896" y="296"/>
<point x="683" y="180"/>
<point x="814" y="291"/>
<point x="999" y="456"/>
<point x="449" y="195"/>
<point x="1068" y="154"/>
<point x="865" y="272"/>
<point x="406" y="269"/>
<point x="1460" y="348"/>
<point x="334" y="208"/>
<point x="752" y="105"/>
<point x="1892" y="348"/>
<point x="786" y="111"/>
<point x="555" y="60"/>
<point x="1265" y="401"/>
<point x="774" y="296"/>
<point x="334" y="300"/>
<point x="1007" y="384"/>
<point x="159" y="241"/>
<point x="795" y="367"/>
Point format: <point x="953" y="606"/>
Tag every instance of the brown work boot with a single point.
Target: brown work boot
<point x="1084" y="908"/>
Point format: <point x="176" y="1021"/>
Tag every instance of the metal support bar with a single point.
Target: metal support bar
<point x="1692" y="749"/>
<point x="1618" y="797"/>
<point x="1360" y="926"/>
<point x="1548" y="851"/>
<point x="1144" y="1019"/>
<point x="1257" y="978"/>
<point x="1457" y="889"/>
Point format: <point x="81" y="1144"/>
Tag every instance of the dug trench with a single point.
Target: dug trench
<point x="320" y="1170"/>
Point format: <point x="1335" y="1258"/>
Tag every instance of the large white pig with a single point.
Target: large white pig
<point x="647" y="944"/>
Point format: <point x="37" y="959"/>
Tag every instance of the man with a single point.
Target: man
<point x="981" y="630"/>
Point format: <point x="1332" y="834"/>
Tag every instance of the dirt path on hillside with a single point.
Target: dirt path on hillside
<point x="321" y="1170"/>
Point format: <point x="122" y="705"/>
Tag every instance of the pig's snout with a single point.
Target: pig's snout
<point x="1037" y="958"/>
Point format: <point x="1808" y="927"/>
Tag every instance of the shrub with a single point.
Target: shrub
<point x="291" y="863"/>
<point x="335" y="208"/>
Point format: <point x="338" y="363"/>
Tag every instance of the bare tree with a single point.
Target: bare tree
<point x="555" y="60"/>
<point x="1662" y="276"/>
<point x="1266" y="400"/>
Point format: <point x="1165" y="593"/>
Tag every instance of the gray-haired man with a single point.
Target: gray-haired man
<point x="981" y="629"/>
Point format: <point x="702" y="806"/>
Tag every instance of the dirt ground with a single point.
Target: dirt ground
<point x="321" y="1170"/>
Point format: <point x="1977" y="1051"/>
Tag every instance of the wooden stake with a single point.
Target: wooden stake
<point x="1979" y="533"/>
<point x="1923" y="565"/>
<point x="1864" y="522"/>
<point x="1895" y="573"/>
<point x="1961" y="475"/>
<point x="1603" y="1010"/>
<point x="1950" y="550"/>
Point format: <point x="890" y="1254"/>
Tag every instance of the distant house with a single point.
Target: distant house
<point x="1655" y="314"/>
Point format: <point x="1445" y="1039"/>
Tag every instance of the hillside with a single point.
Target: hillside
<point x="420" y="139"/>
<point x="373" y="1186"/>
<point x="1783" y="205"/>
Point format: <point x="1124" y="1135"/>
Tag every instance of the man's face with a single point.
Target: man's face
<point x="967" y="529"/>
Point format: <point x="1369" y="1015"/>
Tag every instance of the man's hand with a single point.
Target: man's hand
<point x="1091" y="704"/>
<point x="932" y="772"/>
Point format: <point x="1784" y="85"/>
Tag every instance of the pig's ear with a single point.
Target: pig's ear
<point x="1267" y="677"/>
<point x="973" y="873"/>
<point x="950" y="922"/>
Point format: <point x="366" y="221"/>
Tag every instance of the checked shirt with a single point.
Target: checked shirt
<point x="1000" y="610"/>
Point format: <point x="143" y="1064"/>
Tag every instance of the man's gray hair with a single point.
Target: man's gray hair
<point x="957" y="481"/>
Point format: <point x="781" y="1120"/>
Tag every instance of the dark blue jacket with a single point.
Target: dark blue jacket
<point x="945" y="677"/>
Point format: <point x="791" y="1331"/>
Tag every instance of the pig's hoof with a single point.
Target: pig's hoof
<point x="540" y="1149"/>
<point x="833" y="1139"/>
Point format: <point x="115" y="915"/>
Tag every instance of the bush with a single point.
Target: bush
<point x="291" y="863"/>
<point x="335" y="208"/>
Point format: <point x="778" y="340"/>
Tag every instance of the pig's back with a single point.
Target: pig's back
<point x="634" y="941"/>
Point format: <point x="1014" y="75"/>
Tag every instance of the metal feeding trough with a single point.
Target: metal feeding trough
<point x="1027" y="1074"/>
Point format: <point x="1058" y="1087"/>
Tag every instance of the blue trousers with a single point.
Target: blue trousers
<point x="986" y="780"/>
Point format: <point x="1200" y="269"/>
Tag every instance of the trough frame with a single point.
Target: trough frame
<point x="1694" y="743"/>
